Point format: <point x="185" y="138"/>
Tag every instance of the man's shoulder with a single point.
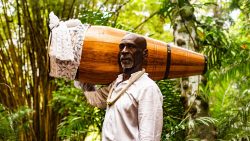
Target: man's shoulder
<point x="146" y="81"/>
<point x="146" y="86"/>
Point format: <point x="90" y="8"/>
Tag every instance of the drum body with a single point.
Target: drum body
<point x="99" y="60"/>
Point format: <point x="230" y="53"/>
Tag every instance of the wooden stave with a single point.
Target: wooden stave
<point x="101" y="36"/>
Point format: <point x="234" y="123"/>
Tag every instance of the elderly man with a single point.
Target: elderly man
<point x="133" y="101"/>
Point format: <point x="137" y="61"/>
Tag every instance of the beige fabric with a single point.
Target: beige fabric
<point x="65" y="46"/>
<point x="135" y="77"/>
<point x="136" y="116"/>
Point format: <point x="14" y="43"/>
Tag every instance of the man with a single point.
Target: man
<point x="133" y="101"/>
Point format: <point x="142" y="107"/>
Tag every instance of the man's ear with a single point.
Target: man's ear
<point x="145" y="53"/>
<point x="145" y="58"/>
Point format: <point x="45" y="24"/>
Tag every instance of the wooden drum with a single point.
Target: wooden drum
<point x="99" y="60"/>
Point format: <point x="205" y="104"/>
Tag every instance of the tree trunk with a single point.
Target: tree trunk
<point x="195" y="106"/>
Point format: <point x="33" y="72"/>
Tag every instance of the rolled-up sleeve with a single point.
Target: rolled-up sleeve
<point x="150" y="114"/>
<point x="97" y="98"/>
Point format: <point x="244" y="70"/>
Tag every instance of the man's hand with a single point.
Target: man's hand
<point x="84" y="86"/>
<point x="88" y="87"/>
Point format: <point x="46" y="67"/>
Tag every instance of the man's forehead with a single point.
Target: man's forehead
<point x="130" y="38"/>
<point x="134" y="39"/>
<point x="127" y="41"/>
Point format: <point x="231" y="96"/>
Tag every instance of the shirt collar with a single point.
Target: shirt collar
<point x="120" y="76"/>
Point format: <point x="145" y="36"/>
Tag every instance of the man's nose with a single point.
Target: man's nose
<point x="125" y="49"/>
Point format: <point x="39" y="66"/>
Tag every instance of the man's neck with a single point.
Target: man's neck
<point x="127" y="72"/>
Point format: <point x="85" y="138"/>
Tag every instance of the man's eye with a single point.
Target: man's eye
<point x="121" y="46"/>
<point x="130" y="46"/>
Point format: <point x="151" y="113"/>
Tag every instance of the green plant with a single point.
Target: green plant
<point x="79" y="117"/>
<point x="229" y="58"/>
<point x="13" y="123"/>
<point x="173" y="127"/>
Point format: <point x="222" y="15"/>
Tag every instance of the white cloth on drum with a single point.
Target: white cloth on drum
<point x="65" y="48"/>
<point x="61" y="45"/>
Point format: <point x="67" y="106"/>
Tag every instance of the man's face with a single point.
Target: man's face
<point x="129" y="55"/>
<point x="131" y="52"/>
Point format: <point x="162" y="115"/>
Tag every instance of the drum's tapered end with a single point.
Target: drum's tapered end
<point x="205" y="65"/>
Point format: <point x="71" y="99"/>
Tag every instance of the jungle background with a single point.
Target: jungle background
<point x="36" y="107"/>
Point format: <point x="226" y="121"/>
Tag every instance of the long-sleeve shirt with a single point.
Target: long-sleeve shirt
<point x="136" y="116"/>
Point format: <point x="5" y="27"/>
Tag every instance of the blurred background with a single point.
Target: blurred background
<point x="215" y="106"/>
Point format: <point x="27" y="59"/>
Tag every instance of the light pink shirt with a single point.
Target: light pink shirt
<point x="136" y="116"/>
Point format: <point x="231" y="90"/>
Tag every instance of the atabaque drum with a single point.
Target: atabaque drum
<point x="99" y="59"/>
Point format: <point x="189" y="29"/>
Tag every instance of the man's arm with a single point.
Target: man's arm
<point x="150" y="114"/>
<point x="95" y="97"/>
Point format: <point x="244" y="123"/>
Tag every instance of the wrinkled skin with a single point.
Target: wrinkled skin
<point x="132" y="53"/>
<point x="130" y="56"/>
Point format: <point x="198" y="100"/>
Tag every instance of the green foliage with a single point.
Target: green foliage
<point x="229" y="63"/>
<point x="173" y="9"/>
<point x="13" y="123"/>
<point x="173" y="127"/>
<point x="95" y="18"/>
<point x="227" y="49"/>
<point x="230" y="99"/>
<point x="79" y="116"/>
<point x="214" y="42"/>
<point x="143" y="17"/>
<point x="6" y="132"/>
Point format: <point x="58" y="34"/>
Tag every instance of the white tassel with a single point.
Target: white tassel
<point x="61" y="46"/>
<point x="53" y="20"/>
<point x="73" y="23"/>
